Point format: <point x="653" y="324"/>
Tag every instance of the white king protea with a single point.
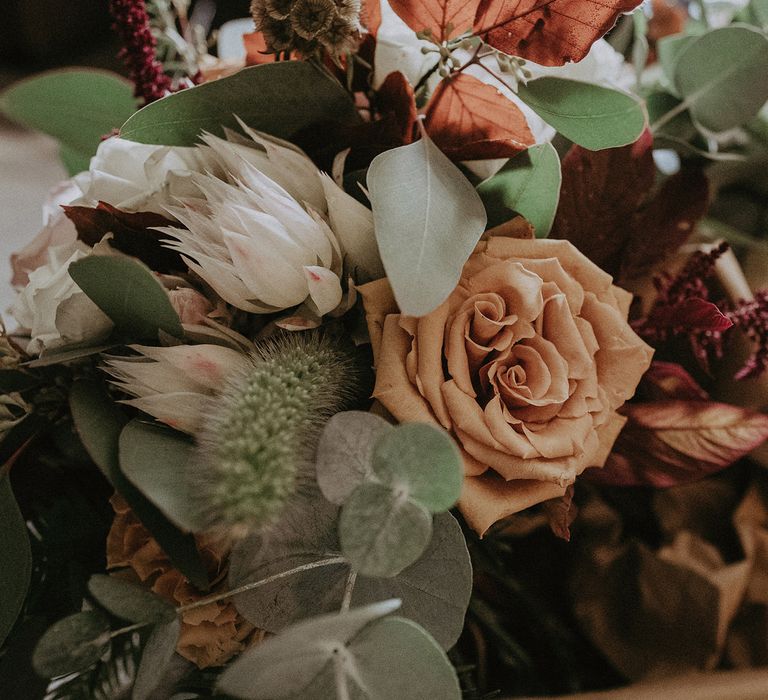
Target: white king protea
<point x="261" y="236"/>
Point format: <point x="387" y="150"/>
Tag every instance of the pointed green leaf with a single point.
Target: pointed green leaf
<point x="280" y="99"/>
<point x="129" y="293"/>
<point x="592" y="116"/>
<point x="130" y="601"/>
<point x="428" y="219"/>
<point x="72" y="644"/>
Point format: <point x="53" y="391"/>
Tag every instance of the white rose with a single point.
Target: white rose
<point x="134" y="176"/>
<point x="54" y="309"/>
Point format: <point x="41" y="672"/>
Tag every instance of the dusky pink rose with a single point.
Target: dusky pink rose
<point x="526" y="364"/>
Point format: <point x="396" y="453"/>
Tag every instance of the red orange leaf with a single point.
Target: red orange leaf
<point x="444" y="18"/>
<point x="370" y="16"/>
<point x="256" y="51"/>
<point x="471" y="120"/>
<point x="666" y="443"/>
<point x="396" y="101"/>
<point x="668" y="380"/>
<point x="550" y="32"/>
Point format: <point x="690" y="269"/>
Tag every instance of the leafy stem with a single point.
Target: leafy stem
<point x="350" y="586"/>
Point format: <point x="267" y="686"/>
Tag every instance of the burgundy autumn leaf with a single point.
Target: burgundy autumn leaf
<point x="600" y="193"/>
<point x="550" y="32"/>
<point x="471" y="120"/>
<point x="666" y="443"/>
<point x="691" y="315"/>
<point x="443" y="18"/>
<point x="132" y="234"/>
<point x="395" y="100"/>
<point x="669" y="380"/>
<point x="370" y="16"/>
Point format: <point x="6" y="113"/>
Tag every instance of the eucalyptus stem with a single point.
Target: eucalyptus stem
<point x="347" y="599"/>
<point x="342" y="688"/>
<point x="130" y="628"/>
<point x="263" y="582"/>
<point x="669" y="116"/>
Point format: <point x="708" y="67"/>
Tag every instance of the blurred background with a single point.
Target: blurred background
<point x="38" y="35"/>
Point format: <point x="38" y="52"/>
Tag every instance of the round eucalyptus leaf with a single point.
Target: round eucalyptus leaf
<point x="130" y="601"/>
<point x="345" y="451"/>
<point x="156" y="658"/>
<point x="721" y="76"/>
<point x="424" y="461"/>
<point x="71" y="645"/>
<point x="395" y="658"/>
<point x="287" y="664"/>
<point x="382" y="531"/>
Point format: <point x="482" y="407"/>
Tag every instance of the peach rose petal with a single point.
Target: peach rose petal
<point x="487" y="499"/>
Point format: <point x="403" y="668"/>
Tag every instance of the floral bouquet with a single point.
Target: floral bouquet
<point x="335" y="339"/>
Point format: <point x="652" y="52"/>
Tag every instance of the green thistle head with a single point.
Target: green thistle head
<point x="255" y="453"/>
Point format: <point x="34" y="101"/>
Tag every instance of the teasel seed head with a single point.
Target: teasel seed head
<point x="255" y="456"/>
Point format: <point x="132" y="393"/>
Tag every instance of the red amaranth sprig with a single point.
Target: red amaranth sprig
<point x="131" y="22"/>
<point x="751" y="317"/>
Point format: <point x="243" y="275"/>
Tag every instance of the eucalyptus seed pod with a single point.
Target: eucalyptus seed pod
<point x="255" y="455"/>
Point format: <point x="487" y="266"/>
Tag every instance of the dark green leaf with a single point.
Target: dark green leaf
<point x="15" y="558"/>
<point x="156" y="658"/>
<point x="76" y="106"/>
<point x="129" y="293"/>
<point x="99" y="423"/>
<point x="591" y="116"/>
<point x="72" y="644"/>
<point x="280" y="99"/>
<point x="130" y="601"/>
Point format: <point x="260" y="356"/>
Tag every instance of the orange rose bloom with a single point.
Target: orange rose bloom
<point x="525" y="364"/>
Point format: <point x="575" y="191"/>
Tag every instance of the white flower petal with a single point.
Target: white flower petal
<point x="324" y="288"/>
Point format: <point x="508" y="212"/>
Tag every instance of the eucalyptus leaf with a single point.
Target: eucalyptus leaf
<point x="721" y="76"/>
<point x="130" y="601"/>
<point x="155" y="459"/>
<point x="289" y="663"/>
<point x="156" y="657"/>
<point x="72" y="644"/>
<point x="129" y="293"/>
<point x="529" y="184"/>
<point x="669" y="49"/>
<point x="99" y="423"/>
<point x="280" y="99"/>
<point x="396" y="658"/>
<point x="61" y="357"/>
<point x="345" y="452"/>
<point x="427" y="218"/>
<point x="382" y="531"/>
<point x="15" y="558"/>
<point x="424" y="461"/>
<point x="78" y="107"/>
<point x="435" y="590"/>
<point x="591" y="116"/>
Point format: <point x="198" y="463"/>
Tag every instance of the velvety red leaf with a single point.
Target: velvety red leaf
<point x="668" y="380"/>
<point x="395" y="100"/>
<point x="471" y="120"/>
<point x="666" y="443"/>
<point x="131" y="232"/>
<point x="444" y="18"/>
<point x="692" y="315"/>
<point x="550" y="32"/>
<point x="670" y="216"/>
<point x="600" y="193"/>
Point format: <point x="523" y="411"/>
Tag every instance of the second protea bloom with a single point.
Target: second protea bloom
<point x="256" y="245"/>
<point x="174" y="384"/>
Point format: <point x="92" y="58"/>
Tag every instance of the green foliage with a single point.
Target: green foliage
<point x="280" y="99"/>
<point x="72" y="644"/>
<point x="529" y="184"/>
<point x="721" y="76"/>
<point x="355" y="654"/>
<point x="257" y="446"/>
<point x="129" y="293"/>
<point x="591" y="116"/>
<point x="428" y="219"/>
<point x="15" y="558"/>
<point x="156" y="657"/>
<point x="130" y="601"/>
<point x="99" y="423"/>
<point x="76" y="106"/>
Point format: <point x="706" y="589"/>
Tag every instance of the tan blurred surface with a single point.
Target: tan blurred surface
<point x="29" y="167"/>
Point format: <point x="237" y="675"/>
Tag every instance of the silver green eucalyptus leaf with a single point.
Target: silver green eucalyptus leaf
<point x="428" y="219"/>
<point x="382" y="531"/>
<point x="72" y="644"/>
<point x="156" y="658"/>
<point x="130" y="601"/>
<point x="289" y="663"/>
<point x="435" y="589"/>
<point x="422" y="461"/>
<point x="345" y="451"/>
